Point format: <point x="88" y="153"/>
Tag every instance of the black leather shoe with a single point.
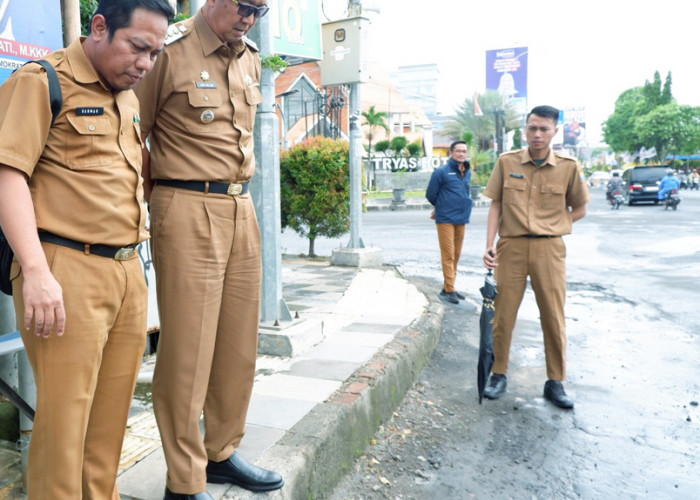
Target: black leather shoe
<point x="449" y="296"/>
<point x="554" y="392"/>
<point x="169" y="495"/>
<point x="459" y="295"/>
<point x="496" y="386"/>
<point x="237" y="470"/>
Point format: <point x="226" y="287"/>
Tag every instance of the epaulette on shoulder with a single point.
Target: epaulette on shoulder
<point x="250" y="43"/>
<point x="512" y="152"/>
<point x="177" y="31"/>
<point x="564" y="156"/>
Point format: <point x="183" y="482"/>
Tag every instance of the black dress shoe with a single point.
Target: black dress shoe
<point x="449" y="296"/>
<point x="496" y="386"/>
<point x="169" y="495"/>
<point x="237" y="470"/>
<point x="554" y="392"/>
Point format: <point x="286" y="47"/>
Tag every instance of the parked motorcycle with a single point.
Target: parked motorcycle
<point x="672" y="199"/>
<point x="616" y="199"/>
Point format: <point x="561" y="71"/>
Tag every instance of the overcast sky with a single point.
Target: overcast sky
<point x="581" y="54"/>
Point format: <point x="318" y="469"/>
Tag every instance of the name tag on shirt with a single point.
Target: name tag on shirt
<point x="89" y="111"/>
<point x="206" y="85"/>
<point x="518" y="176"/>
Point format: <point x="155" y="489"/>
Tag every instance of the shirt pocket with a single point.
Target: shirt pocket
<point x="245" y="112"/>
<point x="514" y="192"/>
<point x="91" y="145"/>
<point x="205" y="115"/>
<point x="253" y="96"/>
<point x="552" y="196"/>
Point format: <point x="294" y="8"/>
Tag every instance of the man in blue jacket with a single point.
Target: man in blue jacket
<point x="448" y="192"/>
<point x="668" y="183"/>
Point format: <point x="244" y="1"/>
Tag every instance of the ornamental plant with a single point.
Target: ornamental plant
<point x="315" y="188"/>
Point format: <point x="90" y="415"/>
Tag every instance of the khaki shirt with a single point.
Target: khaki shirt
<point x="85" y="171"/>
<point x="535" y="200"/>
<point x="199" y="103"/>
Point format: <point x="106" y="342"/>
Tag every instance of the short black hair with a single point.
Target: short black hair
<point x="454" y="145"/>
<point x="544" y="112"/>
<point x="118" y="13"/>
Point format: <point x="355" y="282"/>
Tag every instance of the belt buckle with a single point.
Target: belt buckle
<point x="234" y="189"/>
<point x="124" y="253"/>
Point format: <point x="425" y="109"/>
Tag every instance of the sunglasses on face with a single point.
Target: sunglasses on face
<point x="246" y="9"/>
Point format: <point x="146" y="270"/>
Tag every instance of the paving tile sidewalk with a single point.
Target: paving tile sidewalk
<point x="366" y="323"/>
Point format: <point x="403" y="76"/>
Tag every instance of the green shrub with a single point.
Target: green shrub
<point x="315" y="188"/>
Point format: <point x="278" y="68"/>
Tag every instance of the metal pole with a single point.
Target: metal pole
<point x="265" y="186"/>
<point x="355" y="169"/>
<point x="195" y="5"/>
<point x="71" y="20"/>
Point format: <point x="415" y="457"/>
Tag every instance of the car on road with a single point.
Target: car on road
<point x="641" y="183"/>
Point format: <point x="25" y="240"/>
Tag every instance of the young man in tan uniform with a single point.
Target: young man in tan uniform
<point x="537" y="194"/>
<point x="71" y="205"/>
<point x="198" y="109"/>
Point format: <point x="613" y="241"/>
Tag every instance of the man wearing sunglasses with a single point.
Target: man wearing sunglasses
<point x="198" y="110"/>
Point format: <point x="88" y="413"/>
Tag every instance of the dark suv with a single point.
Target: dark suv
<point x="642" y="183"/>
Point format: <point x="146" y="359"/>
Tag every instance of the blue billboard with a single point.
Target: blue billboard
<point x="506" y="72"/>
<point x="28" y="30"/>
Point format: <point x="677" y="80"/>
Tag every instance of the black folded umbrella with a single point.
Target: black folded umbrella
<point x="488" y="292"/>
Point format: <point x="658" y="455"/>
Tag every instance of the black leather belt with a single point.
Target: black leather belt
<point x="229" y="188"/>
<point x="539" y="236"/>
<point x="115" y="253"/>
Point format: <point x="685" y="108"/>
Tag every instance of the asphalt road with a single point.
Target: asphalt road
<point x="633" y="354"/>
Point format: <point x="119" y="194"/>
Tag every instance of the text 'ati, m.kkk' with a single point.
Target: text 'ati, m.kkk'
<point x="21" y="49"/>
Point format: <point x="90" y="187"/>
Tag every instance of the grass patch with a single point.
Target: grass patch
<point x="388" y="194"/>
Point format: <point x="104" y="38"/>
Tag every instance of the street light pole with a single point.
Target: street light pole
<point x="355" y="169"/>
<point x="265" y="186"/>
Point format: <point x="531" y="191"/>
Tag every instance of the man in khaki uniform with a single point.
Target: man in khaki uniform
<point x="536" y="196"/>
<point x="71" y="205"/>
<point x="198" y="109"/>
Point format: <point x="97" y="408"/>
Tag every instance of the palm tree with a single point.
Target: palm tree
<point x="373" y="119"/>
<point x="483" y="127"/>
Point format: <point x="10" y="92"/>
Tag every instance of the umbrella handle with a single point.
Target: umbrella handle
<point x="490" y="273"/>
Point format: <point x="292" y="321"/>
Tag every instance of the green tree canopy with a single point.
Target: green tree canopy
<point x="398" y="146"/>
<point x="649" y="116"/>
<point x="87" y="9"/>
<point x="315" y="188"/>
<point x="374" y="119"/>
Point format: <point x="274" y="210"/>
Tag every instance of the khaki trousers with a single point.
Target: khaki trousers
<point x="85" y="378"/>
<point x="450" y="237"/>
<point x="207" y="257"/>
<point x="544" y="260"/>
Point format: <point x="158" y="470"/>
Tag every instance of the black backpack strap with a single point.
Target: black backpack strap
<point x="55" y="94"/>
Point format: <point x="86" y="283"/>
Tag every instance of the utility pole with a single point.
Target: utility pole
<point x="355" y="169"/>
<point x="265" y="185"/>
<point x="355" y="254"/>
<point x="71" y="20"/>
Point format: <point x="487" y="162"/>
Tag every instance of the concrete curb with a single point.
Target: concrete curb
<point x="377" y="205"/>
<point x="320" y="449"/>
